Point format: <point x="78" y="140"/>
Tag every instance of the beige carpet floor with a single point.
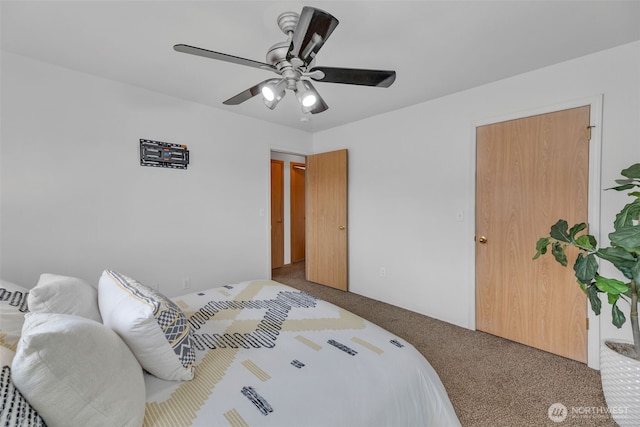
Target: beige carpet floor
<point x="491" y="381"/>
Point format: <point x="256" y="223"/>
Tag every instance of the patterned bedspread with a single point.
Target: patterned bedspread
<point x="270" y="355"/>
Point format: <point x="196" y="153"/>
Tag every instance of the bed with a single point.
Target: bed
<point x="257" y="353"/>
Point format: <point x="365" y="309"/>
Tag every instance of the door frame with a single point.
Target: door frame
<point x="272" y="148"/>
<point x="292" y="217"/>
<point x="594" y="190"/>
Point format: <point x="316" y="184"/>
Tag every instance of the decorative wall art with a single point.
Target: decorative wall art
<point x="163" y="154"/>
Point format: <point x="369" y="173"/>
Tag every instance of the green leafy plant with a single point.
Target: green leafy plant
<point x="623" y="253"/>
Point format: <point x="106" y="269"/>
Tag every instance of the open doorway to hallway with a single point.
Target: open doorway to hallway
<point x="288" y="207"/>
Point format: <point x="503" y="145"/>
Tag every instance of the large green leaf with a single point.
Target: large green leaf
<point x="541" y="247"/>
<point x="625" y="181"/>
<point x="618" y="318"/>
<point x="611" y="286"/>
<point x="627" y="215"/>
<point x="620" y="258"/>
<point x="613" y="298"/>
<point x="635" y="271"/>
<point x="632" y="171"/>
<point x="623" y="187"/>
<point x="585" y="268"/>
<point x="586" y="242"/>
<point x="557" y="249"/>
<point x="560" y="231"/>
<point x="627" y="238"/>
<point x="576" y="229"/>
<point x="594" y="299"/>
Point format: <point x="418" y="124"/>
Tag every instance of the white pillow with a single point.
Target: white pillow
<point x="13" y="306"/>
<point x="77" y="372"/>
<point x="152" y="325"/>
<point x="64" y="295"/>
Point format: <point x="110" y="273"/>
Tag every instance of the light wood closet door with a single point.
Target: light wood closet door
<point x="326" y="257"/>
<point x="530" y="173"/>
<point x="277" y="213"/>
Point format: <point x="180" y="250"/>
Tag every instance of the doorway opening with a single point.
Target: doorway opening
<point x="324" y="215"/>
<point x="288" y="244"/>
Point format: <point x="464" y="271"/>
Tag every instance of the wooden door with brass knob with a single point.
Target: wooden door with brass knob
<point x="327" y="231"/>
<point x="530" y="172"/>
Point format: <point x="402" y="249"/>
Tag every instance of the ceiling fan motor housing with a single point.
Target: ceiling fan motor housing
<point x="277" y="53"/>
<point x="287" y="22"/>
<point x="277" y="56"/>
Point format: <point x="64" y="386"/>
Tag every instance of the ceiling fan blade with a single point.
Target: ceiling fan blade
<point x="223" y="57"/>
<point x="353" y="76"/>
<point x="313" y="29"/>
<point x="246" y="94"/>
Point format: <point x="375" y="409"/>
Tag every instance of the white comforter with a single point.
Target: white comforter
<point x="270" y="355"/>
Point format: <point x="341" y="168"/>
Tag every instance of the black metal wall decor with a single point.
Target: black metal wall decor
<point x="163" y="154"/>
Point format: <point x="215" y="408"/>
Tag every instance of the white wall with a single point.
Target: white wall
<point x="411" y="173"/>
<point x="74" y="197"/>
<point x="76" y="201"/>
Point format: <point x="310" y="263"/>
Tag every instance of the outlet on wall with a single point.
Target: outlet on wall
<point x="383" y="272"/>
<point x="186" y="283"/>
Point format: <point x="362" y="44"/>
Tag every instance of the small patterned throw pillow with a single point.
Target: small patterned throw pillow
<point x="13" y="306"/>
<point x="14" y="408"/>
<point x="152" y="325"/>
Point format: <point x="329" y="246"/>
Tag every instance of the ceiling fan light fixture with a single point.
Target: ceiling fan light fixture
<point x="295" y="58"/>
<point x="307" y="95"/>
<point x="273" y="91"/>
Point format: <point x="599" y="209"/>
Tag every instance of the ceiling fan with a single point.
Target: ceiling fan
<point x="294" y="61"/>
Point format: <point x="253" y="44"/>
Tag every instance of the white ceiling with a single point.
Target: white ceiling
<point x="436" y="47"/>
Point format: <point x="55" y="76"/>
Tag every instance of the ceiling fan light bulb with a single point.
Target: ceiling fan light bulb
<point x="306" y="94"/>
<point x="268" y="93"/>
<point x="309" y="100"/>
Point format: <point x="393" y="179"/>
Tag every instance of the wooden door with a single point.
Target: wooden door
<point x="326" y="246"/>
<point x="277" y="213"/>
<point x="530" y="172"/>
<point x="297" y="173"/>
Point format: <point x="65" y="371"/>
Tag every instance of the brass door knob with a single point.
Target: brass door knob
<point x="482" y="239"/>
<point x="342" y="227"/>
